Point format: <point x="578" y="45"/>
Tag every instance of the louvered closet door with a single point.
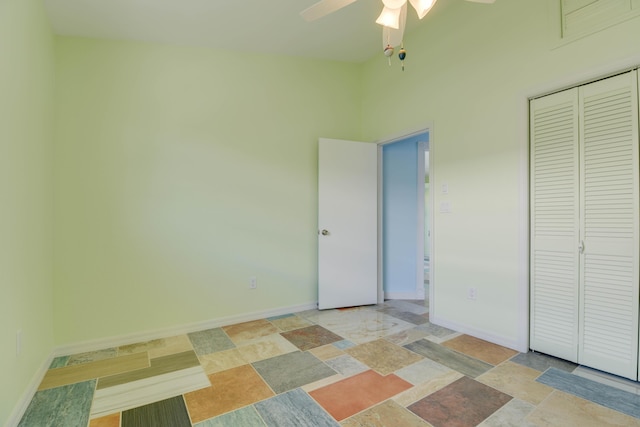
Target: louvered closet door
<point x="609" y="225"/>
<point x="554" y="224"/>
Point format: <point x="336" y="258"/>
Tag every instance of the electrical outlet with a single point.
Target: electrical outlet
<point x="253" y="282"/>
<point x="472" y="294"/>
<point x="18" y="342"/>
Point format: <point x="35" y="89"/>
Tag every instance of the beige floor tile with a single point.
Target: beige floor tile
<point x="422" y="371"/>
<point x="74" y="374"/>
<point x="326" y="352"/>
<point x="249" y="352"/>
<point x="518" y="381"/>
<point x="488" y="352"/>
<point x="248" y="331"/>
<point x="562" y="409"/>
<point x="406" y="337"/>
<point x="173" y="345"/>
<point x="290" y="323"/>
<point x="140" y="347"/>
<point x="92" y="356"/>
<point x="361" y="325"/>
<point x="221" y="361"/>
<point x="386" y="414"/>
<point x="383" y="356"/>
<point x="160" y="347"/>
<point x="512" y="414"/>
<point x="265" y="348"/>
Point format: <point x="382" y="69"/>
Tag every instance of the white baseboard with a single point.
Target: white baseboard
<point x="483" y="335"/>
<point x="404" y="295"/>
<point x="117" y="341"/>
<point x="102" y="343"/>
<point x="30" y="391"/>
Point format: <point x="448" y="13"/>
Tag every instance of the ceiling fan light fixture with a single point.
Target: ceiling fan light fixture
<point x="422" y="7"/>
<point x="394" y="4"/>
<point x="389" y="18"/>
<point x="393" y="36"/>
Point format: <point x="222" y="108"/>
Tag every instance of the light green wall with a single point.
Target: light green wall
<point x="469" y="71"/>
<point x="182" y="172"/>
<point x="26" y="192"/>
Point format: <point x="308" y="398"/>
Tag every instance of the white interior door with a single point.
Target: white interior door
<point x="347" y="223"/>
<point x="609" y="225"/>
<point x="554" y="225"/>
<point x="585" y="236"/>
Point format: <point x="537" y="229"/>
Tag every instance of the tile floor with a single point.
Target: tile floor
<point x="383" y="365"/>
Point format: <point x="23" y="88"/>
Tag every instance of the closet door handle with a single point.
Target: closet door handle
<point x="581" y="247"/>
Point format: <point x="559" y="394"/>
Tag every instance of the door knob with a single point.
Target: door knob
<point x="325" y="232"/>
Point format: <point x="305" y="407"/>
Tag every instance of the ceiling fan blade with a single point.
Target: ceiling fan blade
<point x="483" y="1"/>
<point x="323" y="8"/>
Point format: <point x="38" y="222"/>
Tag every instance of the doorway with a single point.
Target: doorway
<point x="407" y="256"/>
<point x="426" y="225"/>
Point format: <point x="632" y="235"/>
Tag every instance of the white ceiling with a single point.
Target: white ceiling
<point x="245" y="25"/>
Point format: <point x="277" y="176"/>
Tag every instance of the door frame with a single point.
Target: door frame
<point x="427" y="128"/>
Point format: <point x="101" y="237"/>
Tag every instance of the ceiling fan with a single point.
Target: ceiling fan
<point x="393" y="18"/>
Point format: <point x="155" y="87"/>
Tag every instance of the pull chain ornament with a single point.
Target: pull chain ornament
<point x="402" y="54"/>
<point x="388" y="52"/>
